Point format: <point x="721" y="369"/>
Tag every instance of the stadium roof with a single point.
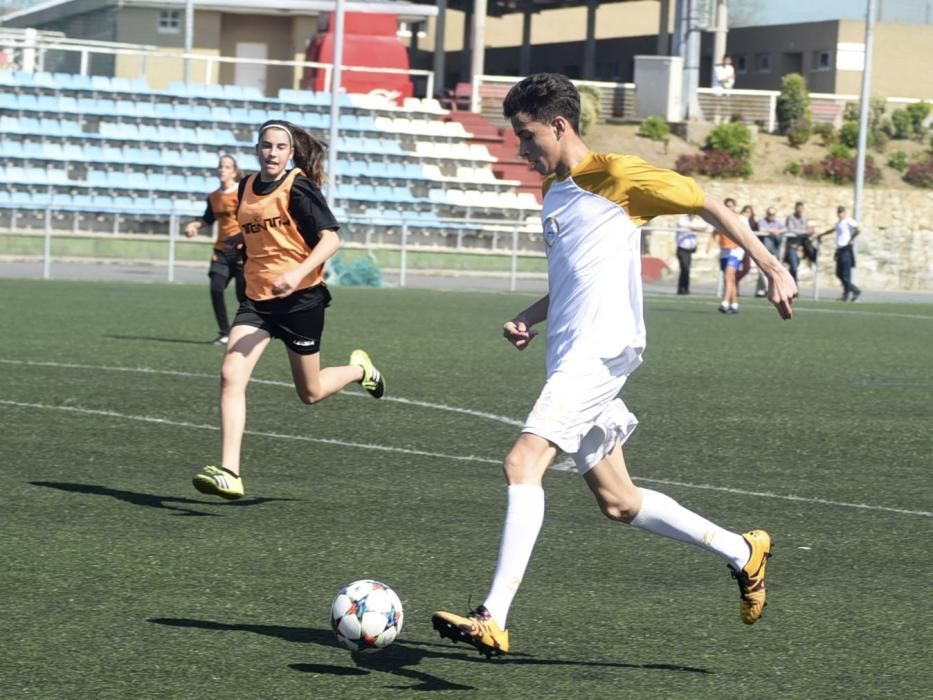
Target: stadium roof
<point x="56" y="9"/>
<point x="498" y="8"/>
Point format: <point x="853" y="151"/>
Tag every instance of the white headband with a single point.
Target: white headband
<point x="284" y="128"/>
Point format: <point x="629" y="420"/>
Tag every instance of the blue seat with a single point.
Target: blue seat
<point x="162" y="205"/>
<point x="233" y="92"/>
<point x="52" y="151"/>
<point x="11" y="149"/>
<point x="239" y="115"/>
<point x="82" y="201"/>
<point x="111" y="154"/>
<point x="32" y="150"/>
<point x="67" y="105"/>
<point x="176" y="183"/>
<point x="27" y="102"/>
<point x="120" y="84"/>
<point x="93" y="154"/>
<point x="10" y="125"/>
<point x="101" y="83"/>
<point x="201" y="113"/>
<point x="105" y="107"/>
<point x="124" y="202"/>
<point x="172" y="157"/>
<point x="9" y="100"/>
<point x="75" y="153"/>
<point x="47" y="104"/>
<point x="137" y="181"/>
<point x="139" y="86"/>
<point x="164" y="110"/>
<point x="103" y="201"/>
<point x="35" y="176"/>
<point x="158" y="181"/>
<point x="20" y="197"/>
<point x="178" y="88"/>
<point x="253" y="94"/>
<point x="96" y="178"/>
<point x="148" y="132"/>
<point x="62" y="199"/>
<point x="213" y="90"/>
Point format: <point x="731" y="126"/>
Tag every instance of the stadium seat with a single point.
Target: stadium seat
<point x="101" y="83"/>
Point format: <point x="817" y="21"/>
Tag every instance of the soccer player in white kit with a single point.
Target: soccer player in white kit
<point x="594" y="205"/>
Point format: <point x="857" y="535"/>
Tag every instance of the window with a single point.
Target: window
<point x="763" y="63"/>
<point x="822" y="60"/>
<point x="169" y="21"/>
<point x="740" y="63"/>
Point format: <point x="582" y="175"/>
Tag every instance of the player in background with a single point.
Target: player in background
<point x="227" y="257"/>
<point x="594" y="205"/>
<point x="289" y="233"/>
<point x="731" y="256"/>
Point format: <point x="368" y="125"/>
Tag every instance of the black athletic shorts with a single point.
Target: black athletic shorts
<point x="297" y="320"/>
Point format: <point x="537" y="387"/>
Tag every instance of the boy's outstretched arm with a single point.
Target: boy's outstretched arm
<point x="782" y="290"/>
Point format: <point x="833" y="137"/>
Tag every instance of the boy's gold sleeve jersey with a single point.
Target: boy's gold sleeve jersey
<point x="643" y="190"/>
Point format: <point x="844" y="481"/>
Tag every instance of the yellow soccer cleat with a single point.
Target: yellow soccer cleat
<point x="751" y="578"/>
<point x="476" y="628"/>
<point x="372" y="380"/>
<point x="219" y="482"/>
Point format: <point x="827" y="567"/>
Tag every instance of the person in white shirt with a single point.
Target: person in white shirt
<point x="846" y="229"/>
<point x="724" y="74"/>
<point x="595" y="204"/>
<point x="685" y="234"/>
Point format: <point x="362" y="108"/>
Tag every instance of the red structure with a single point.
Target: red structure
<point x="368" y="40"/>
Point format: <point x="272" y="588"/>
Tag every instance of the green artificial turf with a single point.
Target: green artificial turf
<point x="119" y="580"/>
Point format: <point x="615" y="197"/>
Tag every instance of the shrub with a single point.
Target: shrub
<point x="840" y="170"/>
<point x="826" y="132"/>
<point x="919" y="111"/>
<point x="920" y="174"/>
<point x="840" y="150"/>
<point x="848" y="134"/>
<point x="794" y="168"/>
<point x="901" y="125"/>
<point x="589" y="107"/>
<point x="713" y="163"/>
<point x="655" y="128"/>
<point x="898" y="161"/>
<point x="733" y="138"/>
<point x="793" y="104"/>
<point x="799" y="132"/>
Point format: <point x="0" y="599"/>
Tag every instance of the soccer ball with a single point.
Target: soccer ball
<point x="366" y="615"/>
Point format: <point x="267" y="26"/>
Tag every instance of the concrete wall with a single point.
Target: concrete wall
<point x="902" y="54"/>
<point x="894" y="250"/>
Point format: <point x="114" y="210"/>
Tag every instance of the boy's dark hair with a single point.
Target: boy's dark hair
<point x="728" y="200"/>
<point x="542" y="97"/>
<point x="840" y="209"/>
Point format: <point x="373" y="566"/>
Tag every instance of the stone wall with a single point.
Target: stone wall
<point x="894" y="250"/>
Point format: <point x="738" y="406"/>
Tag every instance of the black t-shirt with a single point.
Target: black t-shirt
<point x="307" y="206"/>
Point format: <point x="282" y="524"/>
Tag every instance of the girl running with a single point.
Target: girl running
<point x="289" y="233"/>
<point x="227" y="258"/>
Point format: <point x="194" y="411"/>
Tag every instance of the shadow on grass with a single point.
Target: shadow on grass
<point x="397" y="659"/>
<point x="152" y="338"/>
<point x="151" y="500"/>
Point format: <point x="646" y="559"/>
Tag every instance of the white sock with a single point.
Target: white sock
<point x="735" y="305"/>
<point x="523" y="519"/>
<point x="724" y="304"/>
<point x="663" y="515"/>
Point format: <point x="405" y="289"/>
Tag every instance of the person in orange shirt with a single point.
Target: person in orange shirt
<point x="289" y="232"/>
<point x="227" y="258"/>
<point x="730" y="260"/>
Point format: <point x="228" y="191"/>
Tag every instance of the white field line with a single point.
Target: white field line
<point x="438" y="455"/>
<point x="270" y="382"/>
<point x="803" y="309"/>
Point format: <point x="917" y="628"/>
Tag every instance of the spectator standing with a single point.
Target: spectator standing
<point x="724" y="74"/>
<point x="799" y="231"/>
<point x="846" y="229"/>
<point x="688" y="226"/>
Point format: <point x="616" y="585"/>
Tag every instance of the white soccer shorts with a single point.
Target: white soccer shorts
<point x="578" y="410"/>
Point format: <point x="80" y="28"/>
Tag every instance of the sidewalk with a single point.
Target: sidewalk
<point x="197" y="274"/>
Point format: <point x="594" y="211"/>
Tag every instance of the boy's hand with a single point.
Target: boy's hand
<point x="518" y="333"/>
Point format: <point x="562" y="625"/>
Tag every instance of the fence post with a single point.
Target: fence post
<point x="47" y="246"/>
<point x="172" y="225"/>
<point x="772" y="113"/>
<point x="513" y="277"/>
<point x="403" y="258"/>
